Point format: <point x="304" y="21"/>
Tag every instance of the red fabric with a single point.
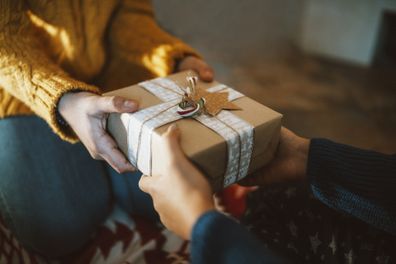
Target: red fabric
<point x="104" y="241"/>
<point x="234" y="199"/>
<point x="142" y="238"/>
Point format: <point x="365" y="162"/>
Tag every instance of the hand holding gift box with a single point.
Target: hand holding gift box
<point x="225" y="143"/>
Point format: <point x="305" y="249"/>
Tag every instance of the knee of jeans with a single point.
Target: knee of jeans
<point x="55" y="229"/>
<point x="61" y="236"/>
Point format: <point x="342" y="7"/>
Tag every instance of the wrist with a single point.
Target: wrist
<point x="61" y="109"/>
<point x="59" y="118"/>
<point x="69" y="100"/>
<point x="65" y="103"/>
<point x="197" y="211"/>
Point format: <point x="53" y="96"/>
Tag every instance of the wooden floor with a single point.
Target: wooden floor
<point x="322" y="98"/>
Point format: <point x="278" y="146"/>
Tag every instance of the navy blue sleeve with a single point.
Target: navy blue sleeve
<point x="219" y="239"/>
<point x="358" y="182"/>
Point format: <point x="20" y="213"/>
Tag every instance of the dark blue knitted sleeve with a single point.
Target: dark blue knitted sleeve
<point x="219" y="239"/>
<point x="358" y="182"/>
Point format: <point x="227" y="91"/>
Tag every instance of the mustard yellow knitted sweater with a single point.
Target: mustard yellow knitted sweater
<point x="48" y="48"/>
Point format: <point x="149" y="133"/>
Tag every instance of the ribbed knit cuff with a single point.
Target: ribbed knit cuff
<point x="164" y="60"/>
<point x="49" y="92"/>
<point x="358" y="182"/>
<point x="28" y="73"/>
<point x="180" y="51"/>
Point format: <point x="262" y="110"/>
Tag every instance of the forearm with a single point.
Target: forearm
<point x="27" y="72"/>
<point x="358" y="182"/>
<point x="136" y="38"/>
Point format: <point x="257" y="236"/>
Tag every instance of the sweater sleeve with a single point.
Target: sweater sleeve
<point x="136" y="37"/>
<point x="358" y="182"/>
<point x="218" y="239"/>
<point x="27" y="72"/>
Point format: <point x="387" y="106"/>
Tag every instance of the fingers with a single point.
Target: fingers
<point x="108" y="150"/>
<point x="145" y="183"/>
<point x="115" y="104"/>
<point x="118" y="162"/>
<point x="204" y="71"/>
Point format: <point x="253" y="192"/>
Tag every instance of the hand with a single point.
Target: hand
<point x="86" y="113"/>
<point x="289" y="163"/>
<point x="181" y="194"/>
<point x="204" y="71"/>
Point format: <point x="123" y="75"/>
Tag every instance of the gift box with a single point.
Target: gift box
<point x="229" y="137"/>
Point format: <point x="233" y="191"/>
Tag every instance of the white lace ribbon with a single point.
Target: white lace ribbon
<point x="237" y="133"/>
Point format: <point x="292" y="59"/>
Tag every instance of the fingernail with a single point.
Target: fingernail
<point x="130" y="104"/>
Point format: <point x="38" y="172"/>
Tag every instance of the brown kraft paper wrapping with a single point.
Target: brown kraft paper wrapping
<point x="204" y="147"/>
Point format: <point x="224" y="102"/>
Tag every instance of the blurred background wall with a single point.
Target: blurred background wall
<point x="327" y="65"/>
<point x="234" y="30"/>
<point x="344" y="29"/>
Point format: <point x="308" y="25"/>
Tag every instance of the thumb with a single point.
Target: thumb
<point x="145" y="184"/>
<point x="204" y="71"/>
<point x="116" y="104"/>
<point x="171" y="141"/>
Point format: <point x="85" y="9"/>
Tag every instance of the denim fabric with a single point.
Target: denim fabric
<point x="53" y="195"/>
<point x="129" y="197"/>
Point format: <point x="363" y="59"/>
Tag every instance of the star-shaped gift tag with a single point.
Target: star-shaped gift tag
<point x="214" y="102"/>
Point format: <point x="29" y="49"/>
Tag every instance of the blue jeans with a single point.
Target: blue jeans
<point x="53" y="195"/>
